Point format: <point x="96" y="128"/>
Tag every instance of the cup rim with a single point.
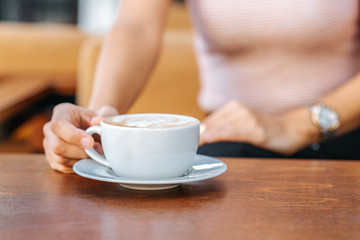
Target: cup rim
<point x="197" y="122"/>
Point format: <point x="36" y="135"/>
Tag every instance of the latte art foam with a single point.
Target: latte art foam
<point x="151" y="121"/>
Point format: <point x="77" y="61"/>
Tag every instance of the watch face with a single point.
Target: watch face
<point x="328" y="119"/>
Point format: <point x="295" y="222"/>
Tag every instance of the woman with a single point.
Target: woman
<point x="262" y="65"/>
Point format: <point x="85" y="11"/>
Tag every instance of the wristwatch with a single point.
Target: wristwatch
<point x="326" y="119"/>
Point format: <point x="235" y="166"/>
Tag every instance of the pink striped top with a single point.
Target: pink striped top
<point x="273" y="55"/>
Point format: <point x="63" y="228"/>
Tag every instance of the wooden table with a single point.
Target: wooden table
<point x="254" y="199"/>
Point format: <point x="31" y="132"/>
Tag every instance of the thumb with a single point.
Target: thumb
<point x="102" y="113"/>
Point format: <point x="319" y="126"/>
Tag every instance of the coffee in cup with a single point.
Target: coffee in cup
<point x="147" y="146"/>
<point x="151" y="121"/>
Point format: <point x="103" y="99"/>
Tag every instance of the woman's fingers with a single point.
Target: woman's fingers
<point x="71" y="134"/>
<point x="60" y="147"/>
<point x="56" y="162"/>
<point x="233" y="122"/>
<point x="65" y="139"/>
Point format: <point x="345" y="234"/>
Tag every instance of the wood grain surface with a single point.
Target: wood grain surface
<point x="254" y="199"/>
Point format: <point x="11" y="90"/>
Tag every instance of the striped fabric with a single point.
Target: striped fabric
<point x="273" y="55"/>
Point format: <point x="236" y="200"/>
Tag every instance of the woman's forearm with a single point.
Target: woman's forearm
<point x="345" y="100"/>
<point x="129" y="53"/>
<point x="125" y="63"/>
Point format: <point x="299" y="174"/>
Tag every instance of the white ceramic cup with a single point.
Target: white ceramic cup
<point x="147" y="153"/>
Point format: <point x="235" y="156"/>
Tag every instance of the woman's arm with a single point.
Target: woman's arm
<point x="346" y="101"/>
<point x="127" y="58"/>
<point x="285" y="133"/>
<point x="129" y="53"/>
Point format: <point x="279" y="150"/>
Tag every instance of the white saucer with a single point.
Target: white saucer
<point x="203" y="167"/>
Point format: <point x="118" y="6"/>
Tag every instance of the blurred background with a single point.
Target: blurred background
<point x="48" y="53"/>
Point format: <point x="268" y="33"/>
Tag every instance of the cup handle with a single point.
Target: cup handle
<point x="91" y="151"/>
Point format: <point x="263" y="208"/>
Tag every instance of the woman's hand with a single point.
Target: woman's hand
<point x="65" y="136"/>
<point x="285" y="133"/>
